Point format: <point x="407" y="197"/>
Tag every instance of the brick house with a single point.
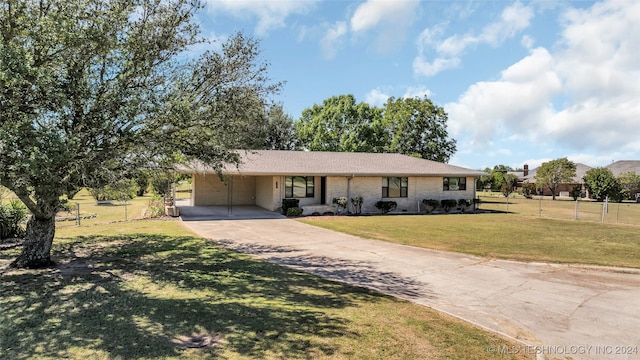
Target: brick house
<point x="265" y="177"/>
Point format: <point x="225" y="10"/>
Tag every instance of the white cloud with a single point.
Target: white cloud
<point x="376" y="97"/>
<point x="425" y="68"/>
<point x="390" y="19"/>
<point x="271" y="14"/>
<point x="513" y="19"/>
<point x="592" y="77"/>
<point x="417" y="92"/>
<point x="332" y="38"/>
<point x="374" y="12"/>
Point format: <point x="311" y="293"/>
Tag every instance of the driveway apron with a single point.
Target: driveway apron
<point x="553" y="310"/>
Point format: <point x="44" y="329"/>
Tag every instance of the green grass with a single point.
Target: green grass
<point x="564" y="208"/>
<point x="125" y="290"/>
<point x="507" y="236"/>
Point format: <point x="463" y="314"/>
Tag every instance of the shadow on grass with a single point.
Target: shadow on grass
<point x="357" y="273"/>
<point x="128" y="296"/>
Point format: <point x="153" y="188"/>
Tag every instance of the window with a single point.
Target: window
<point x="454" y="183"/>
<point x="394" y="187"/>
<point x="298" y="186"/>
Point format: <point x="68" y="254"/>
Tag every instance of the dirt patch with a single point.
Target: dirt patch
<point x="197" y="340"/>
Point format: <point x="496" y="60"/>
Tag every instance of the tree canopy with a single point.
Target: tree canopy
<point x="93" y="90"/>
<point x="413" y="126"/>
<point x="602" y="184"/>
<point x="555" y="172"/>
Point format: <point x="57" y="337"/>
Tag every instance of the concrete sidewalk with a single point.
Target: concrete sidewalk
<point x="560" y="310"/>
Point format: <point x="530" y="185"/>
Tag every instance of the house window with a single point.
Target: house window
<point x="394" y="187"/>
<point x="298" y="186"/>
<point x="454" y="183"/>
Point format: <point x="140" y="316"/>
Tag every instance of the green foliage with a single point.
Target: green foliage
<point x="121" y="190"/>
<point x="357" y="204"/>
<point x="279" y="131"/>
<point x="13" y="217"/>
<point x="414" y="127"/>
<point x="528" y="190"/>
<point x="342" y="202"/>
<point x="93" y="90"/>
<point x="386" y="206"/>
<point x="602" y="183"/>
<point x="509" y="183"/>
<point x="447" y="204"/>
<point x="155" y="208"/>
<point x="289" y="203"/>
<point x="576" y="192"/>
<point x="630" y="183"/>
<point x="555" y="172"/>
<point x="430" y="204"/>
<point x="465" y="203"/>
<point x="294" y="211"/>
<point x="417" y="126"/>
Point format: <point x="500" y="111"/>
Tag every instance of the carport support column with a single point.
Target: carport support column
<point x="230" y="196"/>
<point x="349" y="192"/>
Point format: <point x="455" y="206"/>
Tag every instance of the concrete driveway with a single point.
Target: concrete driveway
<point x="553" y="310"/>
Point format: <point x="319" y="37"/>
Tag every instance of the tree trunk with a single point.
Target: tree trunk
<point x="36" y="251"/>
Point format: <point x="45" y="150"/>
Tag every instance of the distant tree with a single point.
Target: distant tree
<point x="509" y="184"/>
<point x="630" y="183"/>
<point x="555" y="172"/>
<point x="417" y="126"/>
<point x="279" y="132"/>
<point x="602" y="183"/>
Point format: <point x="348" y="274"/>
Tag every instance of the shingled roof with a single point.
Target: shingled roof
<point x="320" y="163"/>
<point x="581" y="170"/>
<point x="624" y="166"/>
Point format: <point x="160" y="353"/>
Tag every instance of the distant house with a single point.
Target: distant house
<point x="624" y="166"/>
<point x="265" y="177"/>
<point x="563" y="189"/>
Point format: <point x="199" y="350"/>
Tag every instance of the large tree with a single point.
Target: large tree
<point x="418" y="127"/>
<point x="412" y="126"/>
<point x="92" y="90"/>
<point x="555" y="172"/>
<point x="340" y="124"/>
<point x="602" y="184"/>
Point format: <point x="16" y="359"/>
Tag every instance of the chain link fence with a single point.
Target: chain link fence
<point x="564" y="208"/>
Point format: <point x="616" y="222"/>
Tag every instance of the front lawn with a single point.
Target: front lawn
<point x="507" y="236"/>
<point x="147" y="289"/>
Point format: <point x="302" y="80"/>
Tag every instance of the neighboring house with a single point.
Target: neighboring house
<point x="624" y="166"/>
<point x="265" y="177"/>
<point x="565" y="188"/>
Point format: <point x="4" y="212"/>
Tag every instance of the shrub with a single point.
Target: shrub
<point x="464" y="203"/>
<point x="67" y="206"/>
<point x="124" y="189"/>
<point x="447" y="204"/>
<point x="342" y="203"/>
<point x="155" y="208"/>
<point x="294" y="211"/>
<point x="528" y="190"/>
<point x="289" y="203"/>
<point x="357" y="204"/>
<point x="386" y="206"/>
<point x="12" y="220"/>
<point x="430" y="204"/>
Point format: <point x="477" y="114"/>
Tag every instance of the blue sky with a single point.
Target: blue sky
<point x="522" y="82"/>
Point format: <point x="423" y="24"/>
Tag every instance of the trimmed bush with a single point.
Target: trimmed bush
<point x="294" y="211"/>
<point x="386" y="206"/>
<point x="447" y="204"/>
<point x="430" y="204"/>
<point x="342" y="202"/>
<point x="289" y="203"/>
<point x="464" y="203"/>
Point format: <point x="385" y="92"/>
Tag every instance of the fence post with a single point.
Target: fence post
<point x="540" y="206"/>
<point x="618" y="213"/>
<point x="77" y="214"/>
<point x="126" y="218"/>
<point x="577" y="211"/>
